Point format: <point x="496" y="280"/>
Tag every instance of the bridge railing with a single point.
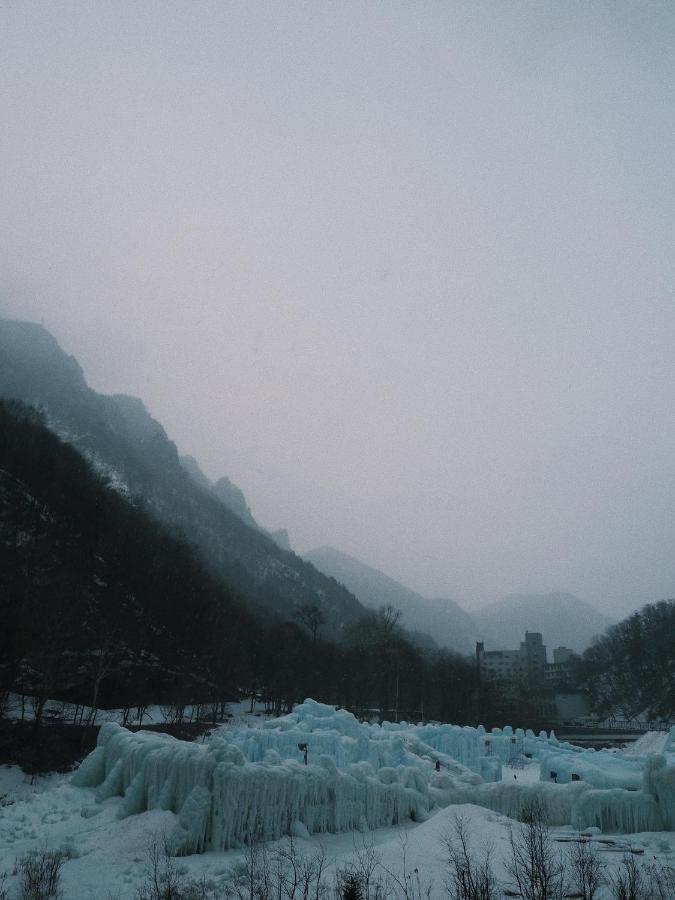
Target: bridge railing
<point x="634" y="726"/>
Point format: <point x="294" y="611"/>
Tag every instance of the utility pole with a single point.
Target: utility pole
<point x="480" y="646"/>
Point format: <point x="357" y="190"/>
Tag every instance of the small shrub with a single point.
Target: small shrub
<point x="586" y="870"/>
<point x="165" y="882"/>
<point x="351" y="887"/>
<point x="40" y="875"/>
<point x="535" y="867"/>
<point x="629" y="883"/>
<point x="661" y="880"/>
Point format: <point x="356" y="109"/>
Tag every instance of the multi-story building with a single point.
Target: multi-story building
<point x="562" y="655"/>
<point x="501" y="664"/>
<point x="533" y="652"/>
<point x="557" y="698"/>
<point x="507" y="664"/>
<point x="561" y="670"/>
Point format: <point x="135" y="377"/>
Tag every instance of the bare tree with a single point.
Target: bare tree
<point x="470" y="877"/>
<point x="586" y="869"/>
<point x="311" y="616"/>
<point x="173" y="712"/>
<point x="164" y="881"/>
<point x="408" y="884"/>
<point x="252" y="878"/>
<point x="629" y="882"/>
<point x="284" y="873"/>
<point x="661" y="881"/>
<point x="299" y="877"/>
<point x="359" y="880"/>
<point x="41" y="875"/>
<point x="535" y="867"/>
<point x="389" y="617"/>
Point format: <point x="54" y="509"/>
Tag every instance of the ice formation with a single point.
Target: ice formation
<point x="589" y="788"/>
<point x="222" y="800"/>
<point x="253" y="784"/>
<point x="598" y="768"/>
<point x="653" y="742"/>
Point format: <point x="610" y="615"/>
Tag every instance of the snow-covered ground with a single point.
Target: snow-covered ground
<point x="57" y="711"/>
<point x="106" y="841"/>
<point x="107" y="854"/>
<point x="16" y="785"/>
<point x="649" y="742"/>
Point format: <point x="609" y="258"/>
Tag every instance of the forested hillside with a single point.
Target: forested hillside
<point x="132" y="451"/>
<point x="103" y="606"/>
<point x="630" y="670"/>
<point x="442" y="618"/>
<point x="99" y="602"/>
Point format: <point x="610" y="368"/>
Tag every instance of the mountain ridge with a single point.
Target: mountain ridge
<point x="120" y="435"/>
<point x="562" y="618"/>
<point x="233" y="497"/>
<point x="443" y="619"/>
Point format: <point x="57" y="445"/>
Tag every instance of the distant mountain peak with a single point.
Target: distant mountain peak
<point x="28" y="339"/>
<point x="233" y="498"/>
<point x="447" y="623"/>
<point x="192" y="467"/>
<point x="562" y="618"/>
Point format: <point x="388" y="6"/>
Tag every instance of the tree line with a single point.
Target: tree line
<point x="104" y="606"/>
<point x="630" y="670"/>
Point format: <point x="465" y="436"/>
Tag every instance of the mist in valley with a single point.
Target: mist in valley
<point x="402" y="273"/>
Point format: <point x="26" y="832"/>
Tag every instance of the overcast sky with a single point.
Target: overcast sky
<point x="402" y="271"/>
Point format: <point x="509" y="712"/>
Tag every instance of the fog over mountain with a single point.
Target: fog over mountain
<point x="403" y="272"/>
<point x="562" y="619"/>
<point x="442" y="618"/>
<point x="132" y="453"/>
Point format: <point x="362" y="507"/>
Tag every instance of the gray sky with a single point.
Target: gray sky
<point x="403" y="271"/>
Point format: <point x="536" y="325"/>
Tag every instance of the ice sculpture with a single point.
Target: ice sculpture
<point x="224" y="801"/>
<point x="253" y="784"/>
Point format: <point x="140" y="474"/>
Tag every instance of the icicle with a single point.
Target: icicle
<point x="246" y="785"/>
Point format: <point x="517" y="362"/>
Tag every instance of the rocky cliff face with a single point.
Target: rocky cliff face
<point x="120" y="438"/>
